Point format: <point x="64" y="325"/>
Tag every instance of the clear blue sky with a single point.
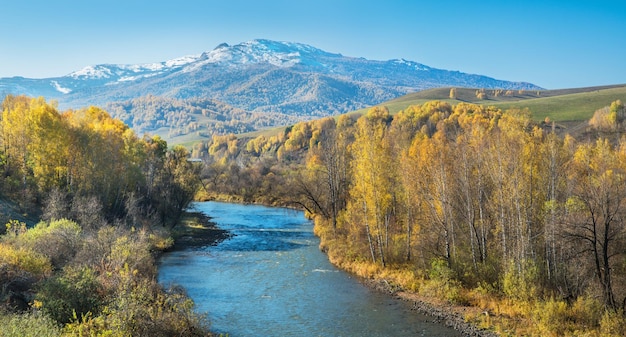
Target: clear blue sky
<point x="554" y="44"/>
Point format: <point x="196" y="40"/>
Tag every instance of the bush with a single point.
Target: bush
<point x="523" y="283"/>
<point x="132" y="251"/>
<point x="59" y="240"/>
<point x="551" y="317"/>
<point x="442" y="283"/>
<point x="72" y="294"/>
<point x="613" y="324"/>
<point x="28" y="325"/>
<point x="21" y="259"/>
<point x="586" y="311"/>
<point x="142" y="308"/>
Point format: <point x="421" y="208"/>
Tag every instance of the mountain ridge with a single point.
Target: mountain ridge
<point x="248" y="65"/>
<point x="276" y="82"/>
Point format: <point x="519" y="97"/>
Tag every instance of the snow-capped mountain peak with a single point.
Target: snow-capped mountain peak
<point x="92" y="72"/>
<point x="253" y="52"/>
<point x="257" y="75"/>
<point x="280" y="54"/>
<point x="124" y="72"/>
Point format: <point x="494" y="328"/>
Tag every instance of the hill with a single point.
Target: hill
<point x="188" y="121"/>
<point x="571" y="107"/>
<point x="563" y="105"/>
<point x="183" y="120"/>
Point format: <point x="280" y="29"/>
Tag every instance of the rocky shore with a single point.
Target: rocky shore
<point x="441" y="313"/>
<point x="197" y="230"/>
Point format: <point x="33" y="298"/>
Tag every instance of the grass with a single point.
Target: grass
<point x="569" y="107"/>
<point x="561" y="105"/>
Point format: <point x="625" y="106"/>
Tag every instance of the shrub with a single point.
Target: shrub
<point x="142" y="308"/>
<point x="133" y="252"/>
<point x="551" y="317"/>
<point x="442" y="283"/>
<point x="72" y="294"/>
<point x="586" y="311"/>
<point x="521" y="281"/>
<point x="21" y="259"/>
<point x="59" y="240"/>
<point x="613" y="324"/>
<point x="28" y="325"/>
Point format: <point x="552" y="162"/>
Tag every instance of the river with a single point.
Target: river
<point x="270" y="279"/>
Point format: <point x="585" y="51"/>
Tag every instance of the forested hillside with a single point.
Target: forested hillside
<point x="106" y="200"/>
<point x="466" y="203"/>
<point x="196" y="118"/>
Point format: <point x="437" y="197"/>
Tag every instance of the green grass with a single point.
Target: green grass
<point x="576" y="104"/>
<point x="569" y="107"/>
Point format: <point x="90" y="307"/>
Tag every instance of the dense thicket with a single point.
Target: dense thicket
<point x="105" y="198"/>
<point x="464" y="201"/>
<point x="85" y="156"/>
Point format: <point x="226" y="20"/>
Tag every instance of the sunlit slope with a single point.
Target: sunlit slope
<point x="575" y="104"/>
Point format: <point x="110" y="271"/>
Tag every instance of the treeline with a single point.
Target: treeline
<point x="63" y="158"/>
<point x="464" y="202"/>
<point x="106" y="200"/>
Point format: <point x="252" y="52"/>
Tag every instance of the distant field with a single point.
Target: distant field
<point x="570" y="107"/>
<point x="561" y="105"/>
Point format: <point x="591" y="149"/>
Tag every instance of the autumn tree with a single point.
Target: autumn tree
<point x="598" y="209"/>
<point x="175" y="185"/>
<point x="452" y="93"/>
<point x="372" y="177"/>
<point x="481" y="94"/>
<point x="327" y="164"/>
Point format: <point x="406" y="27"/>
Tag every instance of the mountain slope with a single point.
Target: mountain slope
<point x="256" y="76"/>
<point x="573" y="104"/>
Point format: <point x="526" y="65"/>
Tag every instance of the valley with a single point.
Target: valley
<point x="452" y="188"/>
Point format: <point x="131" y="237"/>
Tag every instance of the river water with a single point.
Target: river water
<point x="270" y="279"/>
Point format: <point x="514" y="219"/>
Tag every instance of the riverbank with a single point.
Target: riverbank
<point x="442" y="300"/>
<point x="195" y="229"/>
<point x="441" y="312"/>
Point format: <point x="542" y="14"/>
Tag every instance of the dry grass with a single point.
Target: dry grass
<point x="483" y="307"/>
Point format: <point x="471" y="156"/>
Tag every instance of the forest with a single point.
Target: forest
<point x="463" y="203"/>
<point x="97" y="205"/>
<point x="198" y="117"/>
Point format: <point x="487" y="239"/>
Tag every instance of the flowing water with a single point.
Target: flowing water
<point x="270" y="279"/>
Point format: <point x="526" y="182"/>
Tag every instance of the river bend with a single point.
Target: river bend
<point x="270" y="279"/>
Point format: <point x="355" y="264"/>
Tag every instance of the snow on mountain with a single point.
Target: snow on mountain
<point x="259" y="75"/>
<point x="126" y="72"/>
<point x="91" y="72"/>
<point x="59" y="88"/>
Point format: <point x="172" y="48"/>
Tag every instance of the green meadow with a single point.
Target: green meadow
<point x="560" y="105"/>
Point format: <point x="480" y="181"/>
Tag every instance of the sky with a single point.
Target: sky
<point x="553" y="44"/>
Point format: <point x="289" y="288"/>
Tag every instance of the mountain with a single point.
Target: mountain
<point x="256" y="76"/>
